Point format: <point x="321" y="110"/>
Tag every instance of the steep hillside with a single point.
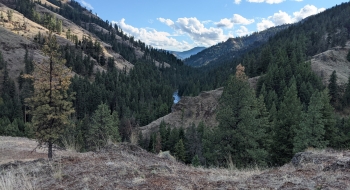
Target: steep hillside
<point x="189" y="110"/>
<point x="332" y="60"/>
<point x="13" y="48"/>
<point x="232" y="48"/>
<point x="31" y="29"/>
<point x="126" y="166"/>
<point x="186" y="54"/>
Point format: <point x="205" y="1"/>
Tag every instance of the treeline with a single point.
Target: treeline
<point x="12" y="115"/>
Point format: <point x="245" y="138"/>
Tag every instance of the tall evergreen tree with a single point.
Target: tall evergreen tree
<point x="240" y="128"/>
<point x="50" y="105"/>
<point x="2" y="62"/>
<point x="180" y="151"/>
<point x="104" y="127"/>
<point x="329" y="119"/>
<point x="288" y="118"/>
<point x="346" y="96"/>
<point x="311" y="130"/>
<point x="333" y="87"/>
<point x="193" y="143"/>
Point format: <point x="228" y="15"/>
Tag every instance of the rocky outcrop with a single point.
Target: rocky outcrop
<point x="325" y="63"/>
<point x="188" y="110"/>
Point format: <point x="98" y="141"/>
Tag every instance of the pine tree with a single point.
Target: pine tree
<point x="346" y="96"/>
<point x="104" y="127"/>
<point x="180" y="151"/>
<point x="328" y="115"/>
<point x="195" y="161"/>
<point x="158" y="144"/>
<point x="50" y="105"/>
<point x="193" y="143"/>
<point x="163" y="134"/>
<point x="59" y="26"/>
<point x="10" y="15"/>
<point x="311" y="130"/>
<point x="333" y="87"/>
<point x="242" y="123"/>
<point x="2" y="62"/>
<point x="288" y="118"/>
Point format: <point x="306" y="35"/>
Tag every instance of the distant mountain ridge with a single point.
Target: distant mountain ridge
<point x="232" y="47"/>
<point x="186" y="54"/>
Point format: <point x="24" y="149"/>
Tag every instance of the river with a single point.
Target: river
<point x="176" y="97"/>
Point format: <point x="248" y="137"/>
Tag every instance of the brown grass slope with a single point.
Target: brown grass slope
<point x="16" y="38"/>
<point x="325" y="63"/>
<point x="126" y="166"/>
<point x="188" y="111"/>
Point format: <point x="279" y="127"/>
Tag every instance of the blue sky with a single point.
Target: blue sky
<point x="183" y="24"/>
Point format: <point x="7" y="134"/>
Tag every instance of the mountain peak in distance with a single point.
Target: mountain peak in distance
<point x="186" y="54"/>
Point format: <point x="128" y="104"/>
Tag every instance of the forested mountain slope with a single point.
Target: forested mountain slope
<point x="232" y="48"/>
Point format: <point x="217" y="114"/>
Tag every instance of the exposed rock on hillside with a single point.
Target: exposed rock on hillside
<point x="325" y="63"/>
<point x="13" y="47"/>
<point x="126" y="166"/>
<point x="189" y="110"/>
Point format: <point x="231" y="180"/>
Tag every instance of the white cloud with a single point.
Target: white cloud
<point x="198" y="33"/>
<point x="238" y="19"/>
<point x="266" y="1"/>
<point x="157" y="39"/>
<point x="230" y="22"/>
<point x="86" y="4"/>
<point x="207" y="21"/>
<point x="265" y="24"/>
<point x="256" y="1"/>
<point x="243" y="31"/>
<point x="166" y="21"/>
<point x="224" y="23"/>
<point x="195" y="29"/>
<point x="281" y="18"/>
<point x="284" y="18"/>
<point x="237" y="1"/>
<point x="306" y="11"/>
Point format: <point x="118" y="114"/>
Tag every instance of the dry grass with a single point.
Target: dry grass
<point x="126" y="166"/>
<point x="11" y="180"/>
<point x="188" y="111"/>
<point x="325" y="63"/>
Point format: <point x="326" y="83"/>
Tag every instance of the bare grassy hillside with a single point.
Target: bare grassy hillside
<point x="188" y="111"/>
<point x="325" y="63"/>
